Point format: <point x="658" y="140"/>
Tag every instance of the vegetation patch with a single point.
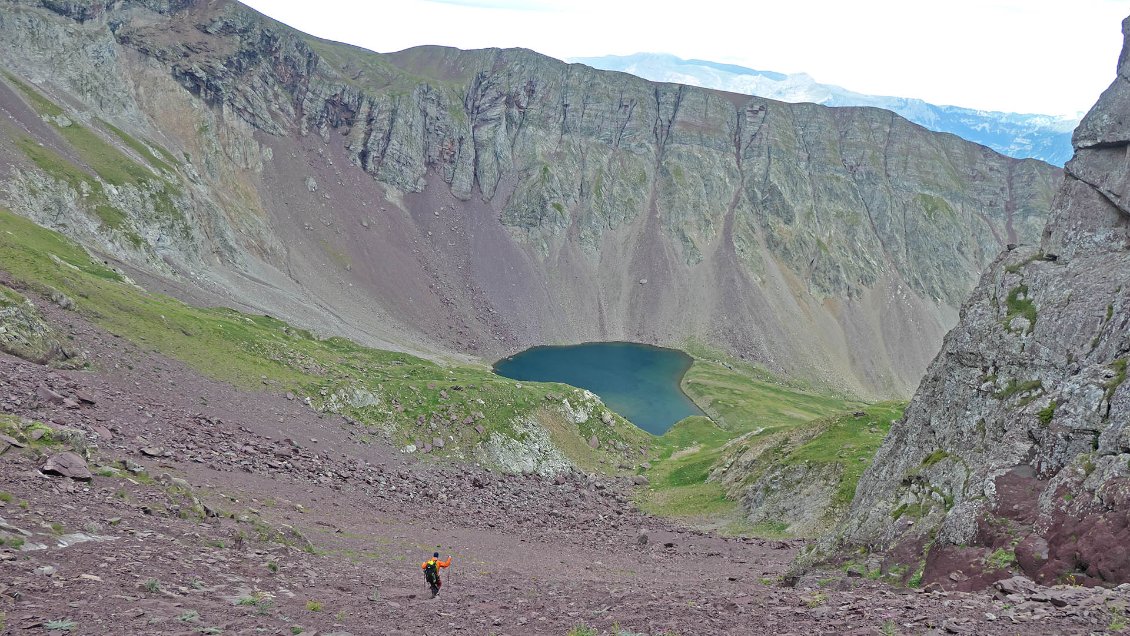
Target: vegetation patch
<point x="749" y="406"/>
<point x="111" y="165"/>
<point x="1046" y="414"/>
<point x="850" y="441"/>
<point x="1111" y="385"/>
<point x="915" y="510"/>
<point x="1019" y="304"/>
<point x="1016" y="387"/>
<point x="1001" y="559"/>
<point x="934" y="458"/>
<point x="935" y="207"/>
<point x="138" y="147"/>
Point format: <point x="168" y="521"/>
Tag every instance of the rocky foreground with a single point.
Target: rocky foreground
<point x="189" y="507"/>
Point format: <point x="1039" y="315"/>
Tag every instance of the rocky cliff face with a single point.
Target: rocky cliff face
<point x="483" y="201"/>
<point x="1014" y="452"/>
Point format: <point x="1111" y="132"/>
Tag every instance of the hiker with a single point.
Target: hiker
<point x="431" y="571"/>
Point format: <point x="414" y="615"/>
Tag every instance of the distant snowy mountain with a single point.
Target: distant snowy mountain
<point x="1043" y="137"/>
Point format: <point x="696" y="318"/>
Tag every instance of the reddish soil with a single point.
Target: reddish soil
<point x="531" y="556"/>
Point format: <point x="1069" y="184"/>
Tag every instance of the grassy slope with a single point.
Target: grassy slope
<point x="101" y="158"/>
<point x="750" y="404"/>
<point x="248" y="350"/>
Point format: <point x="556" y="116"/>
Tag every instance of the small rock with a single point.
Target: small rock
<point x="1016" y="585"/>
<point x="952" y="626"/>
<point x="47" y="570"/>
<point x="47" y="395"/>
<point x="594" y="443"/>
<point x="640" y="480"/>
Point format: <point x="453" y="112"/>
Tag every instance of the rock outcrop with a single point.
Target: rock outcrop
<point x="483" y="201"/>
<point x="1015" y="451"/>
<point x="24" y="333"/>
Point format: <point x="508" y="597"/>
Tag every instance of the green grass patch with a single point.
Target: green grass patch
<point x="1001" y="559"/>
<point x="746" y="402"/>
<point x="705" y="502"/>
<point x="39" y="103"/>
<point x="851" y="442"/>
<point x="1046" y="414"/>
<point x="102" y="157"/>
<point x="935" y="207"/>
<point x="915" y="580"/>
<point x="1111" y="385"/>
<point x="32" y="434"/>
<point x="1019" y="304"/>
<point x="934" y="458"/>
<point x="1016" y="387"/>
<point x="914" y="510"/>
<point x="741" y="397"/>
<point x="138" y="147"/>
<point x="105" y="160"/>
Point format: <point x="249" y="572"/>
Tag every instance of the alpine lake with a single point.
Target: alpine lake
<point x="640" y="382"/>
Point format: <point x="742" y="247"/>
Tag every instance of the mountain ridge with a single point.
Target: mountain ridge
<point x="438" y="199"/>
<point x="1019" y="135"/>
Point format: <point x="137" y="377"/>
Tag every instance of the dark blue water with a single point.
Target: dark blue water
<point x="637" y="381"/>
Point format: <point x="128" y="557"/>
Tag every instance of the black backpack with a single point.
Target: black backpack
<point x="431" y="572"/>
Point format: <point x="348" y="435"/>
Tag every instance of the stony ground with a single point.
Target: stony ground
<point x="213" y="510"/>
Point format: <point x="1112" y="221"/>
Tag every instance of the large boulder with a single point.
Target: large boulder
<point x="25" y="334"/>
<point x="67" y="464"/>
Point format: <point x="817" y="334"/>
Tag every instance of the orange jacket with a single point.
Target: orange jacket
<point x="441" y="564"/>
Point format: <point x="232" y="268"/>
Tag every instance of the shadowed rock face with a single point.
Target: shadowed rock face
<point x="1018" y="439"/>
<point x="483" y="201"/>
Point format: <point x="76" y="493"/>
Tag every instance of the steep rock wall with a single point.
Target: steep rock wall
<point x="1017" y="441"/>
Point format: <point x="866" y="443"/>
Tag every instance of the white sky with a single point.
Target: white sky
<point x="1029" y="56"/>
